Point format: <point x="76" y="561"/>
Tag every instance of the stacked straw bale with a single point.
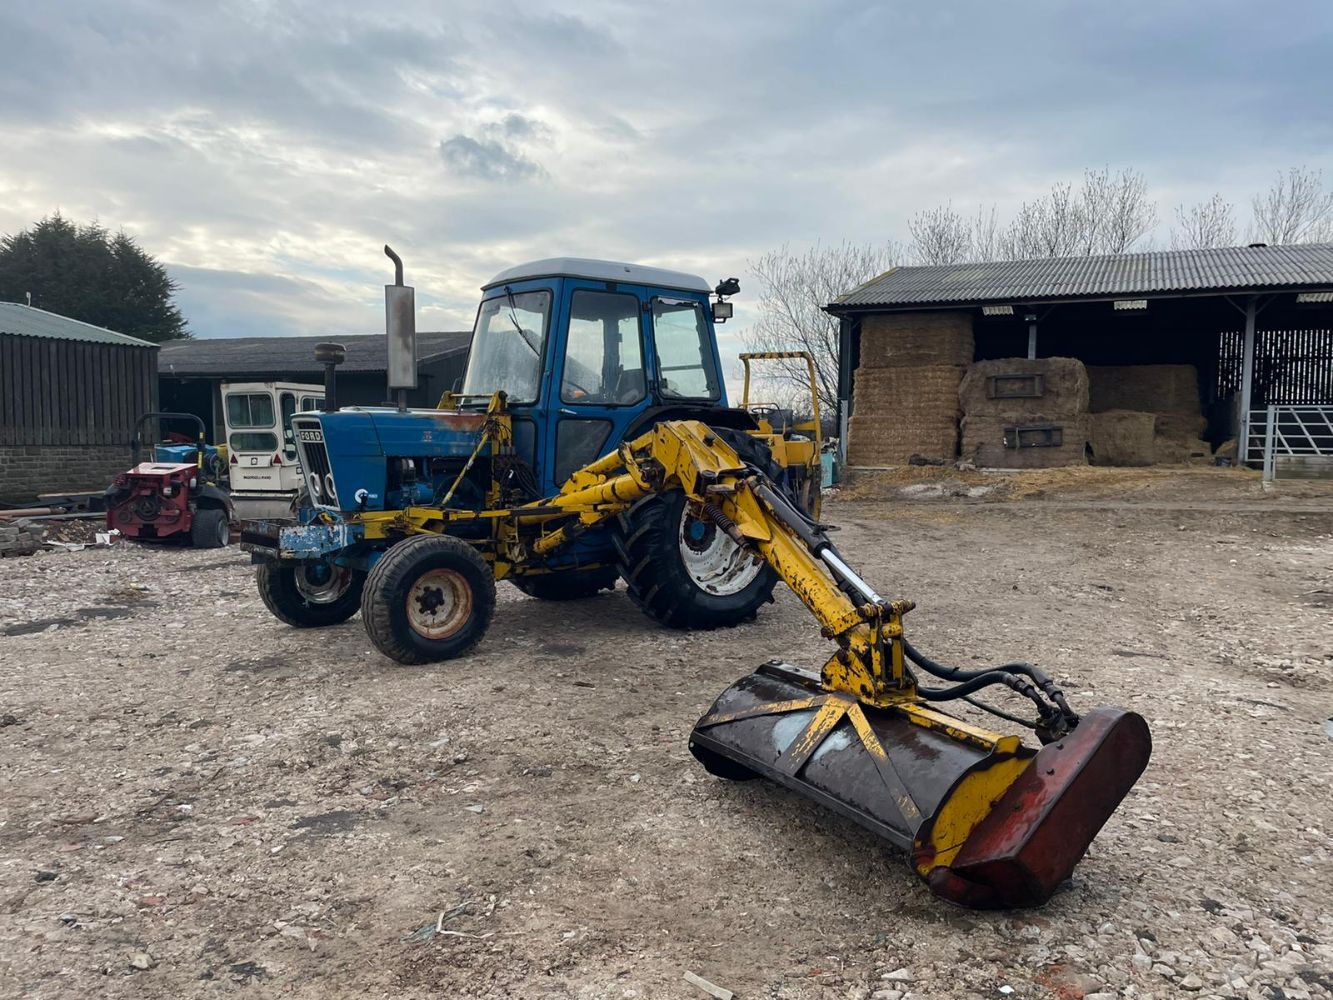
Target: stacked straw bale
<point x="906" y="392"/>
<point x="1123" y="437"/>
<point x="916" y="340"/>
<point x="1063" y="403"/>
<point x="1169" y="392"/>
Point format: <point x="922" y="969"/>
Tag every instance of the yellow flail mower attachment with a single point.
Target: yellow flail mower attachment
<point x="988" y="822"/>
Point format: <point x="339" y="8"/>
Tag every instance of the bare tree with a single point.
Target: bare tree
<point x="1296" y="209"/>
<point x="1051" y="226"/>
<point x="987" y="234"/>
<point x="1205" y="225"/>
<point x="940" y="236"/>
<point x="1116" y="211"/>
<point x="1108" y="214"/>
<point x="793" y="289"/>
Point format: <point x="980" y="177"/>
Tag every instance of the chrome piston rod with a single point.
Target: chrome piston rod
<point x="845" y="573"/>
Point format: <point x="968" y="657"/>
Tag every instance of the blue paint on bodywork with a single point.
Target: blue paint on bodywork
<point x="316" y="541"/>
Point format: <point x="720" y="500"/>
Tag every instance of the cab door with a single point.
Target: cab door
<point x="253" y="439"/>
<point x="600" y="380"/>
<point x="289" y="470"/>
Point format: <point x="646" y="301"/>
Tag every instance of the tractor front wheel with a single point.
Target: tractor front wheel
<point x="429" y="598"/>
<point x="310" y="594"/>
<point x="685" y="572"/>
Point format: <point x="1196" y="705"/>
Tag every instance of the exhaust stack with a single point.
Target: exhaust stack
<point x="330" y="356"/>
<point x="400" y="324"/>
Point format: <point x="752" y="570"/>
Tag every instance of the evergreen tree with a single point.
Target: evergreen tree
<point x="87" y="274"/>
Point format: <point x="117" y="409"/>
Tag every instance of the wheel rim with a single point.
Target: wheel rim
<point x="439" y="604"/>
<point x="715" y="563"/>
<point x="322" y="583"/>
<point x="224" y="532"/>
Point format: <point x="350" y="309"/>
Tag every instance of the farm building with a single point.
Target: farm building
<point x="1132" y="359"/>
<point x="190" y="372"/>
<point x="70" y="394"/>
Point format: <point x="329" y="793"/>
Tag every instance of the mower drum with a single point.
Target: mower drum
<point x="989" y="822"/>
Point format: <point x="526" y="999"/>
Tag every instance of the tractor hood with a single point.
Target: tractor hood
<point x="375" y="458"/>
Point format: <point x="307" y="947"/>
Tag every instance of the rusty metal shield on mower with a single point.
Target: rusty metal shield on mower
<point x="989" y="822"/>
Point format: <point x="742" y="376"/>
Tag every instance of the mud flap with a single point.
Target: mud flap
<point x="988" y="821"/>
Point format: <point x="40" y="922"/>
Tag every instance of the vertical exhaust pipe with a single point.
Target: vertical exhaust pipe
<point x="400" y="326"/>
<point x="330" y="356"/>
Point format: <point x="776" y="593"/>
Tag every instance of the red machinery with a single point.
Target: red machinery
<point x="170" y="501"/>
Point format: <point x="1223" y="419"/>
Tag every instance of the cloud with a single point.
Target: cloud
<point x="265" y="152"/>
<point x="487" y="159"/>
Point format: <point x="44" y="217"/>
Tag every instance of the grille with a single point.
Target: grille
<point x="314" y="458"/>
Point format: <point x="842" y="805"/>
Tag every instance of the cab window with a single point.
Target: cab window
<point x="246" y="441"/>
<point x="604" y="354"/>
<point x="288" y="409"/>
<point x="684" y="351"/>
<point x="507" y="344"/>
<point x="253" y="409"/>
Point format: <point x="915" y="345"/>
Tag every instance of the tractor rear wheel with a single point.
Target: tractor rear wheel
<point x="571" y="585"/>
<point x="685" y="572"/>
<point x="310" y="594"/>
<point x="429" y="598"/>
<point x="210" y="528"/>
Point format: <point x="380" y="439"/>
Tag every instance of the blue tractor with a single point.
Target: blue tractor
<point x="569" y="359"/>
<point x="592" y="441"/>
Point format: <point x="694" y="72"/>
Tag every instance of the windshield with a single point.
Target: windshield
<point x="507" y="344"/>
<point x="684" y="350"/>
<point x="253" y="409"/>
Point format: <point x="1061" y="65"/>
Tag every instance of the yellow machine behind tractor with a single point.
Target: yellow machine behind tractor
<point x="592" y="442"/>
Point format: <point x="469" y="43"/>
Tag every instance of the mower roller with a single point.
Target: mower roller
<point x="413" y="515"/>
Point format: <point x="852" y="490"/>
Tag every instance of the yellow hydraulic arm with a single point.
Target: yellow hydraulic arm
<point x="693" y="457"/>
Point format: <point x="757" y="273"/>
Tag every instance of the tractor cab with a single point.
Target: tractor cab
<point x="589" y="350"/>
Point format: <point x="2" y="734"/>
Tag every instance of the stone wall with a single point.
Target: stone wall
<point x="27" y="470"/>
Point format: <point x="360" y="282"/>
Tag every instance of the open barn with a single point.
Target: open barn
<point x="1183" y="356"/>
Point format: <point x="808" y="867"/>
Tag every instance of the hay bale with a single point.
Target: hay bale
<point x="1064" y="389"/>
<point x="1122" y="437"/>
<point x="1168" y="451"/>
<point x="901" y="412"/>
<point x="910" y="394"/>
<point x="984" y="442"/>
<point x="1179" y="426"/>
<point x="879" y="441"/>
<point x="916" y="339"/>
<point x="1148" y="388"/>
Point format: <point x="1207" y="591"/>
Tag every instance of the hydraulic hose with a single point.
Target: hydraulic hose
<point x="1001" y="713"/>
<point x="1049" y="718"/>
<point x="1039" y="677"/>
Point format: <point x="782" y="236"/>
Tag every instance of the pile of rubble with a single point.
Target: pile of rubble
<point x="20" y="537"/>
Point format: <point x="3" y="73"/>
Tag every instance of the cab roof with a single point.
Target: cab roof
<point x="600" y="270"/>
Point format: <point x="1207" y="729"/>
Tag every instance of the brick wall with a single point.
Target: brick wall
<point x="27" y="470"/>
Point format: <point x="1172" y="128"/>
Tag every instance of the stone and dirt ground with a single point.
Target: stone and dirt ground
<point x="196" y="800"/>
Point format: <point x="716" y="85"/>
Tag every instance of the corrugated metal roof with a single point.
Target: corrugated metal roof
<point x="278" y="355"/>
<point x="29" y="321"/>
<point x="1230" y="269"/>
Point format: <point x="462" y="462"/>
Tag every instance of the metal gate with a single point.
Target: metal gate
<point x="1291" y="367"/>
<point x="1296" y="441"/>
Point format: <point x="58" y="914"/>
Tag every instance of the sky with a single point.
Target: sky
<point x="265" y="152"/>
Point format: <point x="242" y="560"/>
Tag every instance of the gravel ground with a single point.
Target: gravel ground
<point x="196" y="800"/>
